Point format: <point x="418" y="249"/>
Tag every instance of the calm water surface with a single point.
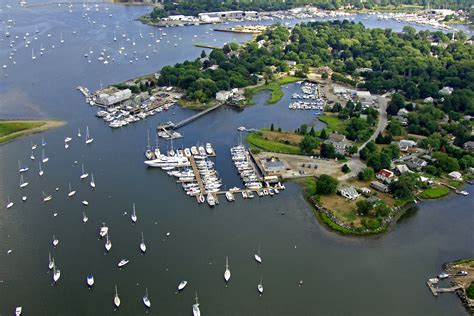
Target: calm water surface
<point x="382" y="275"/>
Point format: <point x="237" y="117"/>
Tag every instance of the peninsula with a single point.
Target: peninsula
<point x="11" y="129"/>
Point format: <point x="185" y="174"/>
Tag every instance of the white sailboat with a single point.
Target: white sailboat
<point x="22" y="182"/>
<point x="146" y="299"/>
<point x="55" y="241"/>
<point x="134" y="215"/>
<point x="40" y="172"/>
<point x="18" y="311"/>
<point x="44" y="159"/>
<point x="71" y="192"/>
<point x="85" y="203"/>
<point x="260" y="285"/>
<point x="79" y="132"/>
<point x="227" y="271"/>
<point x="196" y="311"/>
<point x="9" y="203"/>
<point x="148" y="151"/>
<point x="33" y="54"/>
<point x="92" y="183"/>
<point x="61" y="40"/>
<point x="32" y="157"/>
<point x="142" y="245"/>
<point x="83" y="174"/>
<point x="108" y="243"/>
<point x="33" y="146"/>
<point x="22" y="169"/>
<point x="257" y="256"/>
<point x="56" y="273"/>
<point x="88" y="138"/>
<point x="116" y="298"/>
<point x="47" y="198"/>
<point x="84" y="218"/>
<point x="43" y="143"/>
<point x="50" y="262"/>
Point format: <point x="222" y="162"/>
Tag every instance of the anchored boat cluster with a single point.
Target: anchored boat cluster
<point x="310" y="99"/>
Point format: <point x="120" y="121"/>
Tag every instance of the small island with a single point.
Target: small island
<point x="11" y="129"/>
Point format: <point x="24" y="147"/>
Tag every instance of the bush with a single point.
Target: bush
<point x="345" y="168"/>
<point x="326" y="184"/>
<point x="366" y="174"/>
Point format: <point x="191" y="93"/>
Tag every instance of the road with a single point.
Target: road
<point x="355" y="164"/>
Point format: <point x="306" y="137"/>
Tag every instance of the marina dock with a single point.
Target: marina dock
<point x="189" y="119"/>
<point x="436" y="290"/>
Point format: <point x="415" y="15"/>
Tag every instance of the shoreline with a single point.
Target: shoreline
<point x="47" y="124"/>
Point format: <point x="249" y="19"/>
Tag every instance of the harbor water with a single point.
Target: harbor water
<point x="382" y="275"/>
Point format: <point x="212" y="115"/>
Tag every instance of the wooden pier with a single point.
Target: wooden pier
<point x="195" y="117"/>
<point x="436" y="290"/>
<point x="197" y="175"/>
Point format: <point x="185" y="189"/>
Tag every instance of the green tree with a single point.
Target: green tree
<point x="308" y="144"/>
<point x="323" y="134"/>
<point x="326" y="185"/>
<point x="345" y="168"/>
<point x="366" y="174"/>
<point x="364" y="207"/>
<point x="327" y="151"/>
<point x="405" y="187"/>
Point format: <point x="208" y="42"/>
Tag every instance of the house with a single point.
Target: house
<point x="223" y="95"/>
<point x="401" y="169"/>
<point x="428" y="100"/>
<point x="385" y="175"/>
<point x="469" y="146"/>
<point x="339" y="142"/>
<point x="403" y="112"/>
<point x="426" y="180"/>
<point x="455" y="175"/>
<point x="446" y="91"/>
<point x="349" y="193"/>
<point x="416" y="163"/>
<point x="405" y="144"/>
<point x="115" y="97"/>
<point x="291" y="62"/>
<point x="273" y="166"/>
<point x="379" y="186"/>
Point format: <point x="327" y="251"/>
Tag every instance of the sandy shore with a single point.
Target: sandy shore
<point x="48" y="124"/>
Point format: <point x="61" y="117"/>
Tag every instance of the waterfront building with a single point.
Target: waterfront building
<point x="225" y="15"/>
<point x="455" y="175"/>
<point x="109" y="99"/>
<point x="385" y="175"/>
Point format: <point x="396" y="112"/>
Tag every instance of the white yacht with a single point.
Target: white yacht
<point x="142" y="245"/>
<point x="116" y="298"/>
<point x="90" y="280"/>
<point x="227" y="271"/>
<point x="55" y="241"/>
<point x="108" y="243"/>
<point x="71" y="192"/>
<point x="146" y="299"/>
<point x="88" y="138"/>
<point x="22" y="182"/>
<point x="104" y="230"/>
<point x="83" y="174"/>
<point x="229" y="196"/>
<point x="123" y="262"/>
<point x="210" y="199"/>
<point x="182" y="285"/>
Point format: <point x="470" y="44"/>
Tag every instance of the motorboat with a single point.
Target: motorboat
<point x="146" y="299"/>
<point x="90" y="280"/>
<point x="230" y="196"/>
<point x="227" y="271"/>
<point x="24" y="198"/>
<point x="116" y="298"/>
<point x="85" y="203"/>
<point x="210" y="199"/>
<point x="123" y="262"/>
<point x="182" y="285"/>
<point x="18" y="311"/>
<point x="443" y="275"/>
<point x="104" y="230"/>
<point x="47" y="198"/>
<point x="108" y="243"/>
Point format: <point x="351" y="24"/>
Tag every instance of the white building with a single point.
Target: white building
<point x="455" y="175"/>
<point x="237" y="14"/>
<point x="446" y="91"/>
<point x="113" y="98"/>
<point x="385" y="175"/>
<point x="223" y="95"/>
<point x="349" y="193"/>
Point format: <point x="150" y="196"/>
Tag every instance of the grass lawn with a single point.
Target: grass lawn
<point x="12" y="129"/>
<point x="268" y="145"/>
<point x="274" y="87"/>
<point x="470" y="291"/>
<point x="434" y="193"/>
<point x="283" y="137"/>
<point x="334" y="124"/>
<point x="455" y="183"/>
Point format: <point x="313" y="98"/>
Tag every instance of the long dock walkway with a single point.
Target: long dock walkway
<point x="436" y="290"/>
<point x="197" y="174"/>
<point x="195" y="117"/>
